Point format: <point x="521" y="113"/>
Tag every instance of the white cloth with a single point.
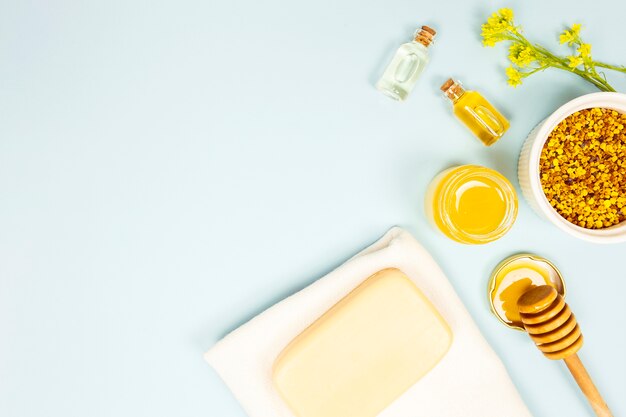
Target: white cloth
<point x="470" y="381"/>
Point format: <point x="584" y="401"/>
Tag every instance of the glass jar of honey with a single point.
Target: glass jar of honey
<point x="471" y="204"/>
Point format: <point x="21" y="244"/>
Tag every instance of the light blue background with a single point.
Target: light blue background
<point x="170" y="169"/>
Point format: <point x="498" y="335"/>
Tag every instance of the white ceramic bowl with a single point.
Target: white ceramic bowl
<point x="528" y="167"/>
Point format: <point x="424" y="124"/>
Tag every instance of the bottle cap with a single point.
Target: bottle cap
<point x="429" y="30"/>
<point x="452" y="89"/>
<point x="449" y="82"/>
<point x="425" y="35"/>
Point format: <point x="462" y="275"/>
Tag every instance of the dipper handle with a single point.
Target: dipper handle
<point x="552" y="326"/>
<point x="587" y="386"/>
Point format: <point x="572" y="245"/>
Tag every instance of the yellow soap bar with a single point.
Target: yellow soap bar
<point x="364" y="352"/>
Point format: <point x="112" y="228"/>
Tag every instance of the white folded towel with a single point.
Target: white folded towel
<point x="470" y="381"/>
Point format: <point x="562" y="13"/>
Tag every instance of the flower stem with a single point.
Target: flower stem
<point x="619" y="68"/>
<point x="590" y="75"/>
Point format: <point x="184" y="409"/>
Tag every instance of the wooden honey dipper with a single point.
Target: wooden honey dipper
<point x="552" y="326"/>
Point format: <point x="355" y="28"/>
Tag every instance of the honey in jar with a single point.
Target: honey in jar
<point x="513" y="277"/>
<point x="471" y="204"/>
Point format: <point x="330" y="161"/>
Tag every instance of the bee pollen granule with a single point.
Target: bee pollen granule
<point x="583" y="168"/>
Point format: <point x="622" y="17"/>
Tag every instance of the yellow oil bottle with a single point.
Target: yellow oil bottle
<point x="475" y="112"/>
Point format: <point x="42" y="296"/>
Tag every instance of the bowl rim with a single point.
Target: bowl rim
<point x="609" y="100"/>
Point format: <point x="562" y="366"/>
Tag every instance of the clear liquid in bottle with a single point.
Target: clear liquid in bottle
<point x="406" y="66"/>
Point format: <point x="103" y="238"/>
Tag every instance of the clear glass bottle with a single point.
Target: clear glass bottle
<point x="406" y="66"/>
<point x="480" y="116"/>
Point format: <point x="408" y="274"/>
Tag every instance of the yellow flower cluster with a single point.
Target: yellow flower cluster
<point x="574" y="61"/>
<point x="571" y="36"/>
<point x="584" y="50"/>
<point x="514" y="76"/>
<point x="528" y="58"/>
<point x="583" y="168"/>
<point x="583" y="57"/>
<point x="521" y="55"/>
<point x="498" y="27"/>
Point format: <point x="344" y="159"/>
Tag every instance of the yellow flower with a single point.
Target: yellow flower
<point x="571" y="36"/>
<point x="521" y="55"/>
<point x="497" y="27"/>
<point x="584" y="50"/>
<point x="489" y="38"/>
<point x="574" y="61"/>
<point x="515" y="77"/>
<point x="506" y="14"/>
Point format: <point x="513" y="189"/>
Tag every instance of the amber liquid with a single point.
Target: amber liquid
<point x="470" y="204"/>
<point x="513" y="281"/>
<point x="481" y="117"/>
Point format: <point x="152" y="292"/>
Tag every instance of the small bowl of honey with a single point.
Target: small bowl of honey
<point x="513" y="277"/>
<point x="471" y="204"/>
